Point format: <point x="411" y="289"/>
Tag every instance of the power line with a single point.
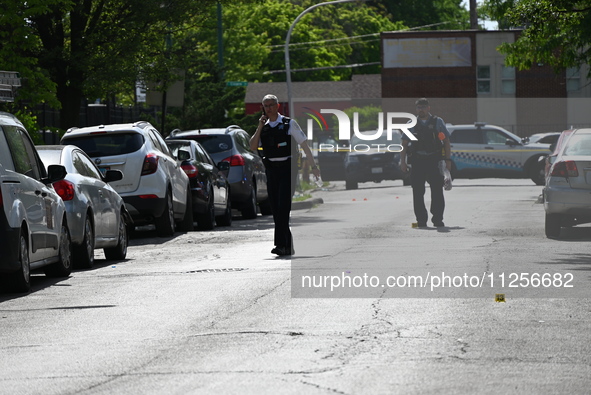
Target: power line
<point x="344" y="66"/>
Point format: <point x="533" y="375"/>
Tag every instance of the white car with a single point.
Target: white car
<point x="568" y="188"/>
<point x="97" y="217"/>
<point x="481" y="151"/>
<point x="154" y="187"/>
<point x="33" y="226"/>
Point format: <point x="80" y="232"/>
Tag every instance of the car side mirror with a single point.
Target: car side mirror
<point x="224" y="166"/>
<point x="183" y="154"/>
<point x="54" y="173"/>
<point x="113" y="175"/>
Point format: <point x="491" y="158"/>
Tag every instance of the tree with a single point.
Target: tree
<point x="91" y="48"/>
<point x="556" y="32"/>
<point x="432" y="14"/>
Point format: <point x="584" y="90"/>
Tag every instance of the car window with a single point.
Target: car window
<point x="466" y="136"/>
<point x="492" y="136"/>
<point x="5" y="157"/>
<point x="23" y="152"/>
<point x="578" y="144"/>
<point x="203" y="155"/>
<point x="160" y="143"/>
<point x="214" y="143"/>
<point x="84" y="166"/>
<point x="107" y="144"/>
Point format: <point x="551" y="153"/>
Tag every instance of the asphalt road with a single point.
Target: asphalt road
<point x="217" y="313"/>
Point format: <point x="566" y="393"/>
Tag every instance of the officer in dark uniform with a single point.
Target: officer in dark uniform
<point x="279" y="136"/>
<point x="424" y="154"/>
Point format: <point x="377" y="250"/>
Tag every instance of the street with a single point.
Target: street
<point x="217" y="313"/>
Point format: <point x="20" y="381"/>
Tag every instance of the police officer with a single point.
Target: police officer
<point x="279" y="136"/>
<point x="424" y="154"/>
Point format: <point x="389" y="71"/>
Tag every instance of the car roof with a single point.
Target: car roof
<point x="120" y="127"/>
<point x="10" y="119"/>
<point x="211" y="131"/>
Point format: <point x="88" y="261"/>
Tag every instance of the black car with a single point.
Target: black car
<point x="210" y="188"/>
<point x="247" y="177"/>
<point x="373" y="159"/>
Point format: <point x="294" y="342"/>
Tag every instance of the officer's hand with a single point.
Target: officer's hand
<point x="403" y="167"/>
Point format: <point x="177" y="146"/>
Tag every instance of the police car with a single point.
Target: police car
<point x="486" y="151"/>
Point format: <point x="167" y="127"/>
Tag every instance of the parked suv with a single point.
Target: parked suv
<point x="481" y="150"/>
<point x="154" y="188"/>
<point x="33" y="227"/>
<point x="248" y="181"/>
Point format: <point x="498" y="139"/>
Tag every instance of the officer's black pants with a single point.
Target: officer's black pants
<point x="281" y="181"/>
<point x="425" y="169"/>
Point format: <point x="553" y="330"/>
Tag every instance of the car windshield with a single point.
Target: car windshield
<point x="214" y="143"/>
<point x="578" y="144"/>
<point x="382" y="140"/>
<point x="107" y="144"/>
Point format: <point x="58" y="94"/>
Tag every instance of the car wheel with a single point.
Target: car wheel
<point x="265" y="207"/>
<point x="206" y="221"/>
<point x="226" y="218"/>
<point x="552" y="226"/>
<point x="20" y="281"/>
<point x="63" y="267"/>
<point x="350" y="184"/>
<point x="119" y="252"/>
<point x="165" y="223"/>
<point x="186" y="225"/>
<point x="249" y="209"/>
<point x="84" y="253"/>
<point x="537" y="172"/>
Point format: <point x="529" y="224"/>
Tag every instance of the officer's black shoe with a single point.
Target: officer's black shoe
<point x="422" y="224"/>
<point x="276" y="251"/>
<point x="438" y="224"/>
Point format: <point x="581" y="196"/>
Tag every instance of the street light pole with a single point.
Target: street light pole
<point x="287" y="65"/>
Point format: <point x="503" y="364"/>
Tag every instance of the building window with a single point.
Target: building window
<point x="508" y="80"/>
<point x="483" y="79"/>
<point x="573" y="79"/>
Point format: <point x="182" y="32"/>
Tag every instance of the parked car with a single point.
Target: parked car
<point x="331" y="159"/>
<point x="155" y="189"/>
<point x="96" y="214"/>
<point x="554" y="150"/>
<point x="374" y="160"/>
<point x="34" y="229"/>
<point x="568" y="187"/>
<point x="209" y="186"/>
<point x="481" y="151"/>
<point x="248" y="181"/>
<point x="543" y="138"/>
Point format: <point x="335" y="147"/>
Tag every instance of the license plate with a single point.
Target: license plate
<point x="376" y="170"/>
<point x="104" y="170"/>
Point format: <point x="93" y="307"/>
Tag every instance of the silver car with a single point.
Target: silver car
<point x="568" y="186"/>
<point x="96" y="214"/>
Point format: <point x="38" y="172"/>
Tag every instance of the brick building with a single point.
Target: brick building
<point x="466" y="80"/>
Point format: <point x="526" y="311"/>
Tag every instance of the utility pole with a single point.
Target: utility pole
<point x="473" y="15"/>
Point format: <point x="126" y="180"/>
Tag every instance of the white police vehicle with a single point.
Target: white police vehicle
<point x="486" y="151"/>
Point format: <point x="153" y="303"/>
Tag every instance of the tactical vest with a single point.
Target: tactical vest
<point x="427" y="138"/>
<point x="276" y="142"/>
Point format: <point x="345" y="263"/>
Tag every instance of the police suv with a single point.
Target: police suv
<point x="486" y="151"/>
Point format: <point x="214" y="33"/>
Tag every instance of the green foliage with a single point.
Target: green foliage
<point x="368" y="116"/>
<point x="429" y="14"/>
<point x="556" y="32"/>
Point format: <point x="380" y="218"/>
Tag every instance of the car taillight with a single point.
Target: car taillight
<point x="565" y="169"/>
<point x="65" y="189"/>
<point x="190" y="170"/>
<point x="150" y="164"/>
<point x="235" y="160"/>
